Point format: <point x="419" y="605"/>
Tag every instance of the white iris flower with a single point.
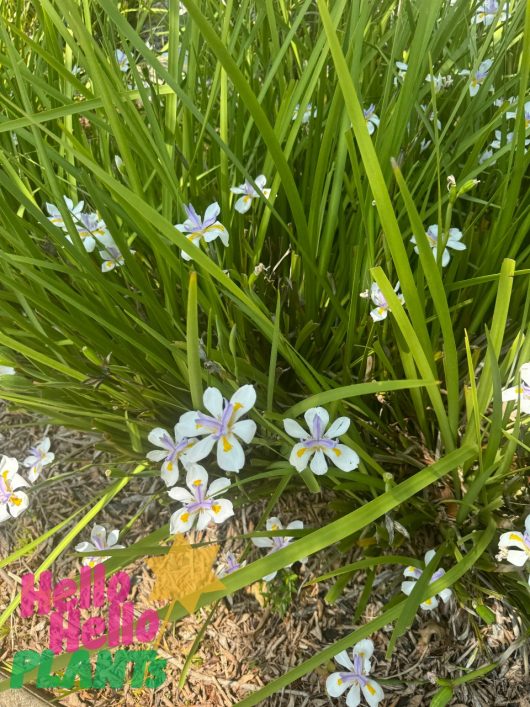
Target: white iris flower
<point x="223" y="428"/>
<point x="200" y="504"/>
<point x="99" y="541"/>
<point x="277" y="542"/>
<point x="319" y="445"/>
<point x="407" y="587"/>
<point x="40" y="456"/>
<point x="13" y="502"/>
<point x="244" y="203"/>
<point x="355" y="678"/>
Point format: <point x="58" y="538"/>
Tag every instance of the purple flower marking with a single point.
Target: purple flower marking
<point x="173" y="449"/>
<point x="201" y="503"/>
<point x="232" y="563"/>
<point x="196" y="223"/>
<point x="357" y="674"/>
<point x="5" y="490"/>
<point x="220" y="428"/>
<point x="194" y="218"/>
<point x="97" y="542"/>
<point x="317" y="440"/>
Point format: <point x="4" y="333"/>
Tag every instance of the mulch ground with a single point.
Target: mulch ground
<point x="246" y="644"/>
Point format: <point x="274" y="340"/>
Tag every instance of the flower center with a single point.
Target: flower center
<point x="220" y="428"/>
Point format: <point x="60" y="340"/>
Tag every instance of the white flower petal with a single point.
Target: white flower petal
<point x="262" y="542"/>
<point x="429" y="604"/>
<point x="178" y="493"/>
<point x="338" y="428"/>
<point x="295" y="525"/>
<point x="99" y="536"/>
<point x="300" y="456"/>
<point x="9" y="464"/>
<point x="213" y="402"/>
<point x="353" y="698"/>
<point x="170" y="473"/>
<point x="294" y="429"/>
<point x="319" y="465"/>
<point x="511" y="393"/>
<point x="517" y="557"/>
<point x="407" y="587"/>
<point x="196" y="476"/>
<point x="343" y="457"/>
<point x="512" y="539"/>
<point x="274" y="523"/>
<point x="335" y="686"/>
<point x="187" y="426"/>
<point x="181" y="521"/>
<point x="204" y="517"/>
<point x="44" y="446"/>
<point x="243" y="400"/>
<point x="230" y="454"/>
<point x="85" y="547"/>
<point x="113" y="537"/>
<point x="218" y="486"/>
<point x="156" y="455"/>
<point x="212" y="211"/>
<point x="221" y="510"/>
<point x="445" y="594"/>
<point x="373" y="693"/>
<point x="245" y="430"/>
<point x="310" y="415"/>
<point x="18" y="502"/>
<point x="201" y="449"/>
<point x="17" y="481"/>
<point x="364" y="648"/>
<point x="343" y="659"/>
<point x="429" y="555"/>
<point x="243" y="204"/>
<point x="156" y="437"/>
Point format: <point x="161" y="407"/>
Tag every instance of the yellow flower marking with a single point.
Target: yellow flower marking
<point x="169" y="466"/>
<point x="338" y="453"/>
<point x="15" y="500"/>
<point x="184" y="517"/>
<point x="514" y="538"/>
<point x="237" y="406"/>
<point x="197" y="482"/>
<point x="370" y="689"/>
<point x="339" y="681"/>
<point x="274" y="527"/>
<point x="216" y="508"/>
<point x="226" y="445"/>
<point x="301" y="451"/>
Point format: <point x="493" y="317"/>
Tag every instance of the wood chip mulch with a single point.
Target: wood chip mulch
<point x="246" y="645"/>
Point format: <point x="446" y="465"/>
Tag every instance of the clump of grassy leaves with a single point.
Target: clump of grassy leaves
<point x="121" y="352"/>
